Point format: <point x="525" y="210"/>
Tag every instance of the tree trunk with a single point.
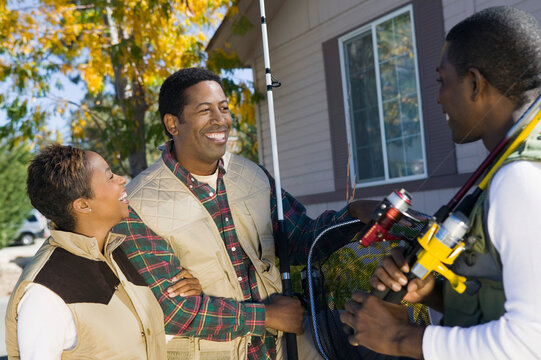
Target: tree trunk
<point x="138" y="155"/>
<point x="132" y="99"/>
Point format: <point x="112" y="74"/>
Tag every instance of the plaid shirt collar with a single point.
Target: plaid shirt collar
<point x="180" y="172"/>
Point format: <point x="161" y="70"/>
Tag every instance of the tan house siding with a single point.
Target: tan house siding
<point x="308" y="107"/>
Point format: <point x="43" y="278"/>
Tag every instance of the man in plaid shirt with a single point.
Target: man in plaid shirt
<point x="169" y="230"/>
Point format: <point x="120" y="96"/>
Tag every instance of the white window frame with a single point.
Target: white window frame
<point x="341" y="40"/>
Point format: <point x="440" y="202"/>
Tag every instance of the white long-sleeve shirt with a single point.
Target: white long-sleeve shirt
<point x="513" y="223"/>
<point x="56" y="331"/>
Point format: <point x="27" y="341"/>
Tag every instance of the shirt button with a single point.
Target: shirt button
<point x="191" y="186"/>
<point x="239" y="278"/>
<point x="226" y="219"/>
<point x="193" y="179"/>
<point x="211" y="193"/>
<point x="233" y="248"/>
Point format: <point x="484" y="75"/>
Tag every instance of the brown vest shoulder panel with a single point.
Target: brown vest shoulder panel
<point x="127" y="267"/>
<point x="76" y="279"/>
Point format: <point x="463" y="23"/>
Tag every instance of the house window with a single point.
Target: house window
<point x="383" y="109"/>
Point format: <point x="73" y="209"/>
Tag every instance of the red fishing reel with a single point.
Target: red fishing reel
<point x="388" y="213"/>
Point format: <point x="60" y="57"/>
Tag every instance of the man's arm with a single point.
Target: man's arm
<point x="301" y="230"/>
<point x="201" y="316"/>
<point x="513" y="226"/>
<point x="514" y="201"/>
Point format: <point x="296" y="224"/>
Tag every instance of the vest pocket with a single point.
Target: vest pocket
<point x="180" y="348"/>
<point x="492" y="300"/>
<point x="211" y="278"/>
<point x="214" y="350"/>
<point x="459" y="309"/>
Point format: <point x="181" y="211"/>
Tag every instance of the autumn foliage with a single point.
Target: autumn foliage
<point x="120" y="50"/>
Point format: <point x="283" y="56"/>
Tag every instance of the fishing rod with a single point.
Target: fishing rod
<point x="287" y="288"/>
<point x="441" y="243"/>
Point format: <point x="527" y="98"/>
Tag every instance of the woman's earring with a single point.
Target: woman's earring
<point x="89" y="210"/>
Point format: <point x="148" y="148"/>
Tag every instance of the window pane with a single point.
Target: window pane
<point x="394" y="64"/>
<point x="364" y="114"/>
<point x="366" y="127"/>
<point x="399" y="97"/>
<point x="361" y="96"/>
<point x="385" y="36"/>
<point x="405" y="69"/>
<point x="370" y="160"/>
<point x="395" y="156"/>
<point x="402" y="34"/>
<point x="360" y="54"/>
<point x="388" y="78"/>
<point x="391" y="116"/>
<point x="414" y="156"/>
<point x="409" y="114"/>
<point x="369" y="153"/>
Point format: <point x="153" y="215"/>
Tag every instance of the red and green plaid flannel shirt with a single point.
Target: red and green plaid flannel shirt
<point x="211" y="318"/>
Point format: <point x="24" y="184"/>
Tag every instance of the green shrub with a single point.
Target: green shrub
<point x="14" y="203"/>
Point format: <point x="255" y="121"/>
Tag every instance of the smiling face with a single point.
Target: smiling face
<point x="456" y="99"/>
<point x="109" y="204"/>
<point x="203" y="128"/>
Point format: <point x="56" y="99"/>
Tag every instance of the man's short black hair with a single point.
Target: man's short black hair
<point x="504" y="44"/>
<point x="172" y="97"/>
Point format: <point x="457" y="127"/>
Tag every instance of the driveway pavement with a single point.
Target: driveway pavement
<point x="12" y="261"/>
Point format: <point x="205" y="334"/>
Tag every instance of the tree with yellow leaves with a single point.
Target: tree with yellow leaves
<point x="121" y="50"/>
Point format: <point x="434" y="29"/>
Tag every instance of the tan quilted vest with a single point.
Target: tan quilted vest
<point x="129" y="326"/>
<point x="180" y="218"/>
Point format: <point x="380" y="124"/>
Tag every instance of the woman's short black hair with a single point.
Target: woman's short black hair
<point x="56" y="177"/>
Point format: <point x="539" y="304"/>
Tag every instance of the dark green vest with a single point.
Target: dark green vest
<point x="481" y="263"/>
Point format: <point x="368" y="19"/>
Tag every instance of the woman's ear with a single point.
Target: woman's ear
<point x="171" y="124"/>
<point x="81" y="206"/>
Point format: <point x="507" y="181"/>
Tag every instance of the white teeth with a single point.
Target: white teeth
<point x="216" y="136"/>
<point x="123" y="197"/>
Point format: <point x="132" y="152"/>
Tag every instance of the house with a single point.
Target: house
<point x="357" y="106"/>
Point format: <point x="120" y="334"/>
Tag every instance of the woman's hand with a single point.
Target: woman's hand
<point x="184" y="285"/>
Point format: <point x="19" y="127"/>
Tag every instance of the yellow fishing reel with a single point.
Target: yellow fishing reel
<point x="441" y="244"/>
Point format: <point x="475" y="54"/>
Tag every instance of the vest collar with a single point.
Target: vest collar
<point x="84" y="246"/>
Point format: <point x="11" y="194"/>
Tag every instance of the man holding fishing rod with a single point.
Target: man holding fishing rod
<point x="489" y="73"/>
<point x="213" y="213"/>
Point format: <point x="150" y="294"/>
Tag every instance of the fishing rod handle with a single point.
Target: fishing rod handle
<point x="396" y="297"/>
<point x="291" y="341"/>
<point x="290" y="338"/>
<point x="391" y="296"/>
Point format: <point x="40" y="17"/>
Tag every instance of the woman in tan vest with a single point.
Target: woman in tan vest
<point x="80" y="297"/>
